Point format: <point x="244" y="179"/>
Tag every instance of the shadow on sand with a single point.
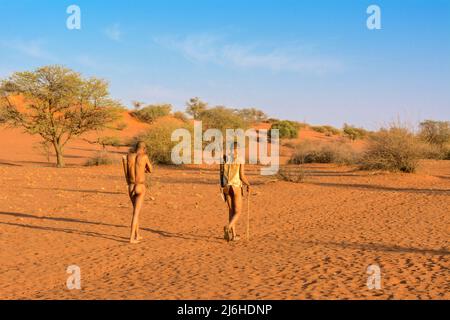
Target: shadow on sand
<point x="378" y="247"/>
<point x="165" y="234"/>
<point x="78" y="190"/>
<point x="380" y="188"/>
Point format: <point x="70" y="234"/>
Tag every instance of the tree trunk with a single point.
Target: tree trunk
<point x="59" y="155"/>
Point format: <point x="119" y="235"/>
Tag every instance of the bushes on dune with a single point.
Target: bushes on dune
<point x="180" y="116"/>
<point x="327" y="130"/>
<point x="321" y="152"/>
<point x="252" y="115"/>
<point x="222" y="118"/>
<point x="354" y="133"/>
<point x="393" y="149"/>
<point x="150" y="113"/>
<point x="287" y="129"/>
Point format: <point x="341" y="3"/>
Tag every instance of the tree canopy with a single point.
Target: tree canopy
<point x="58" y="104"/>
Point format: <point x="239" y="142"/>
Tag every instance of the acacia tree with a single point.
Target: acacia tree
<point x="195" y="107"/>
<point x="58" y="105"/>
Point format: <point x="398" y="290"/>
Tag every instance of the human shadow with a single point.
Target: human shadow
<point x="78" y="190"/>
<point x="10" y="164"/>
<point x="379" y="247"/>
<point x="443" y="177"/>
<point x="70" y="231"/>
<point x="318" y="173"/>
<point x="60" y="219"/>
<point x="192" y="180"/>
<point x="187" y="236"/>
<point x="380" y="188"/>
<point x="165" y="234"/>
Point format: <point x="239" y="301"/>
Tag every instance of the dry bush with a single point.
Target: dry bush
<point x="435" y="152"/>
<point x="100" y="159"/>
<point x="291" y="174"/>
<point x="447" y="154"/>
<point x="435" y="132"/>
<point x="180" y="116"/>
<point x="320" y="152"/>
<point x="393" y="149"/>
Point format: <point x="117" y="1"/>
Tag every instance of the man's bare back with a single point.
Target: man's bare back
<point x="138" y="165"/>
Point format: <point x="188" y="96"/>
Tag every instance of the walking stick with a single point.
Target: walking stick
<point x="125" y="168"/>
<point x="248" y="216"/>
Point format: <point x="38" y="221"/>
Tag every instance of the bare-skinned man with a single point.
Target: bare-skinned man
<point x="137" y="166"/>
<point x="232" y="178"/>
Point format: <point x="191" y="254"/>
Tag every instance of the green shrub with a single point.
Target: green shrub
<point x="322" y="152"/>
<point x="318" y="129"/>
<point x="222" y="118"/>
<point x="332" y="130"/>
<point x="287" y="129"/>
<point x="195" y="107"/>
<point x="152" y="112"/>
<point x="327" y="130"/>
<point x="354" y="133"/>
<point x="158" y="141"/>
<point x="392" y="149"/>
<point x="252" y="115"/>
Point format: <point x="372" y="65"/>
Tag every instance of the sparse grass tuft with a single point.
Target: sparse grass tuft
<point x="291" y="174"/>
<point x="100" y="159"/>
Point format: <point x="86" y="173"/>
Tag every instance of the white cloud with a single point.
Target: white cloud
<point x="114" y="32"/>
<point x="211" y="48"/>
<point x="154" y="93"/>
<point x="31" y="48"/>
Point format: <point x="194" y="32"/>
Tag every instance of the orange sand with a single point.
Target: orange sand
<point x="313" y="240"/>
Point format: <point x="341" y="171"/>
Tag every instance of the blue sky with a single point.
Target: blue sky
<point x="312" y="61"/>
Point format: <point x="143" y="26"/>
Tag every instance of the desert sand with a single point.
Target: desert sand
<point x="312" y="240"/>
